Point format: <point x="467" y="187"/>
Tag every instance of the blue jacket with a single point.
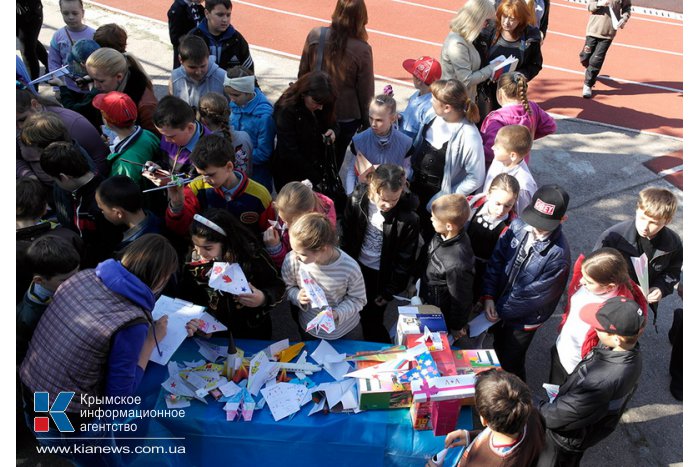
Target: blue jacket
<point x="230" y="48"/>
<point x="255" y="118"/>
<point x="533" y="295"/>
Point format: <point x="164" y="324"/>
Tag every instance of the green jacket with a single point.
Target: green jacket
<point x="140" y="147"/>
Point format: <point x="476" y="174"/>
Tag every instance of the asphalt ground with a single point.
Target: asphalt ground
<point x="602" y="169"/>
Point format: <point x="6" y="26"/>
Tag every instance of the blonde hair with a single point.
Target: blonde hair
<point x="313" y="231"/>
<point x="514" y="86"/>
<point x="515" y="138"/>
<point x="454" y="93"/>
<point x="658" y="203"/>
<point x="452" y="208"/>
<point x="471" y="17"/>
<point x="113" y="62"/>
<point x="505" y="182"/>
<point x="295" y="199"/>
<point x="390" y="177"/>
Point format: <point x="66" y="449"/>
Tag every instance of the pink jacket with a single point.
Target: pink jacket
<point x="539" y="122"/>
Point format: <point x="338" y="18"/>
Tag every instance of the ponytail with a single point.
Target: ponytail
<point x="514" y="86"/>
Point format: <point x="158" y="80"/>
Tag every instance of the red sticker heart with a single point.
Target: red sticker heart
<point x="226" y="279"/>
<point x="218" y="270"/>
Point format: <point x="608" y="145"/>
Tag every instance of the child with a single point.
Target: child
<point x="600" y="33"/>
<point x="491" y="213"/>
<point x="121" y="202"/>
<point x="74" y="196"/>
<point x="132" y="145"/>
<point x="63" y="39"/>
<point x="111" y="35"/>
<point x="600" y="276"/>
<point x="526" y="276"/>
<point x="448" y="278"/>
<point x="514" y="433"/>
<point x="590" y="403"/>
<point x="214" y="114"/>
<point x="292" y="201"/>
<point x="252" y="112"/>
<point x="649" y="234"/>
<point x="219" y="236"/>
<point x="31" y="199"/>
<point x="219" y="185"/>
<point x="313" y="240"/>
<point x="197" y="75"/>
<point x="183" y="16"/>
<point x="512" y="145"/>
<point x="225" y="43"/>
<point x="515" y="109"/>
<point x="181" y="131"/>
<point x="449" y="156"/>
<point x="419" y="110"/>
<point x="381" y="232"/>
<point x="51" y="260"/>
<point x="380" y="143"/>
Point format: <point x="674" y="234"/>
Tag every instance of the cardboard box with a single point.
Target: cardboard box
<point x="472" y="362"/>
<point x="444" y="359"/>
<point x="383" y="391"/>
<point x="438" y="401"/>
<point x="413" y="319"/>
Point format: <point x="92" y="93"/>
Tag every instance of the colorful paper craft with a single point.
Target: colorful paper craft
<point x="552" y="391"/>
<point x="425" y="369"/>
<point x="284" y="399"/>
<point x="313" y="290"/>
<point x="228" y="277"/>
<point x="322" y="322"/>
<point x="261" y="370"/>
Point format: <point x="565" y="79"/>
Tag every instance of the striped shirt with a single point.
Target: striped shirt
<point x="343" y="285"/>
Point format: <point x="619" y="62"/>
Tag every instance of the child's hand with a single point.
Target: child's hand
<point x="458" y="333"/>
<point x="490" y="310"/>
<point x="303" y="298"/>
<point x="161" y="327"/>
<point x="457" y="438"/>
<point x="192" y="326"/>
<point x="654" y="295"/>
<point x="329" y="136"/>
<point x="379" y="301"/>
<point x="271" y="238"/>
<point x="252" y="300"/>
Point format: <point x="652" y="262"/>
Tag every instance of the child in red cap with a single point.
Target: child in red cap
<point x="130" y="142"/>
<point x="419" y="110"/>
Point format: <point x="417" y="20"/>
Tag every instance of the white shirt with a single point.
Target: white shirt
<point x="441" y="131"/>
<point x="371" y="251"/>
<point x="522" y="174"/>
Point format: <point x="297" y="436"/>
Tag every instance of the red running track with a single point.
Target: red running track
<point x="645" y="60"/>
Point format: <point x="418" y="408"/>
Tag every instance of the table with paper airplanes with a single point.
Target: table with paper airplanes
<point x="210" y="436"/>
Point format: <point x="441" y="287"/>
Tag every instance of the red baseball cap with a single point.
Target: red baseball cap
<point x="117" y="108"/>
<point x="426" y="69"/>
<point x="617" y="315"/>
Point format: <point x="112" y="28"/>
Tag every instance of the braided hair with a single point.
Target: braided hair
<point x="214" y="113"/>
<point x="514" y="86"/>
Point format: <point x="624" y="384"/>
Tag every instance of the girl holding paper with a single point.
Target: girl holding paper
<point x="218" y="236"/>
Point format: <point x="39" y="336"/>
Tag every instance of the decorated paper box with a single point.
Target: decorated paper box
<point x="444" y="359"/>
<point x="383" y="391"/>
<point x="414" y="319"/>
<point x="470" y="362"/>
<point x="442" y="397"/>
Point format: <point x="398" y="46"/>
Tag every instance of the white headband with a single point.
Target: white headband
<point x="242" y="84"/>
<point x="210" y="224"/>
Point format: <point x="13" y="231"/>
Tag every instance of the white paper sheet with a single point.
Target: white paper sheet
<point x="179" y="313"/>
<point x="284" y="399"/>
<point x="331" y="361"/>
<point x="313" y="290"/>
<point x="228" y="277"/>
<point x="479" y="325"/>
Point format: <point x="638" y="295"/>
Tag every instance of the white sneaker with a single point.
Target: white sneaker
<point x="587" y="92"/>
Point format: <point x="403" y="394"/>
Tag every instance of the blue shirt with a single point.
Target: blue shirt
<point x="419" y="110"/>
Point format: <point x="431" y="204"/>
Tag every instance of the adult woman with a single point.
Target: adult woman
<point x="449" y="155"/>
<point x="460" y="58"/>
<point x="305" y="120"/>
<point x="347" y="58"/>
<point x="97" y="335"/>
<point x="514" y="36"/>
<point x="115" y="71"/>
<point x="79" y="129"/>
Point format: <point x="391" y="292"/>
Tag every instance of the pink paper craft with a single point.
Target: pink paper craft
<point x="229" y="277"/>
<point x="313" y="290"/>
<point x="324" y="321"/>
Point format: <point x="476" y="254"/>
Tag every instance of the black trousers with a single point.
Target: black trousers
<point x="27" y="30"/>
<point x="372" y="315"/>
<point x="554" y="455"/>
<point x="511" y="345"/>
<point x="676" y="366"/>
<point x="343" y="138"/>
<point x="592" y="57"/>
<point x="557" y="373"/>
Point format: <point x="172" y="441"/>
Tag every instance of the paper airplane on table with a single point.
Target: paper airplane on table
<point x="228" y="277"/>
<point x="331" y="361"/>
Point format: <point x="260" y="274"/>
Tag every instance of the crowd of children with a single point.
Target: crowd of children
<point x="146" y="200"/>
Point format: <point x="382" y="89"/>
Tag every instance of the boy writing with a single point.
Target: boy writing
<point x="592" y="399"/>
<point x="514" y="433"/>
<point x="225" y="43"/>
<point x="74" y="197"/>
<point x="419" y="109"/>
<point x="526" y="276"/>
<point x="512" y="144"/>
<point x="448" y="277"/>
<point x="197" y="75"/>
<point x="600" y="32"/>
<point x="180" y="130"/>
<point x="219" y="185"/>
<point x="131" y="142"/>
<point x="649" y="233"/>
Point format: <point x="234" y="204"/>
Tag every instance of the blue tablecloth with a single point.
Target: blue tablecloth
<point x="370" y="438"/>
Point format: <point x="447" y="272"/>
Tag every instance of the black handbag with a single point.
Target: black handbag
<point x="330" y="183"/>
